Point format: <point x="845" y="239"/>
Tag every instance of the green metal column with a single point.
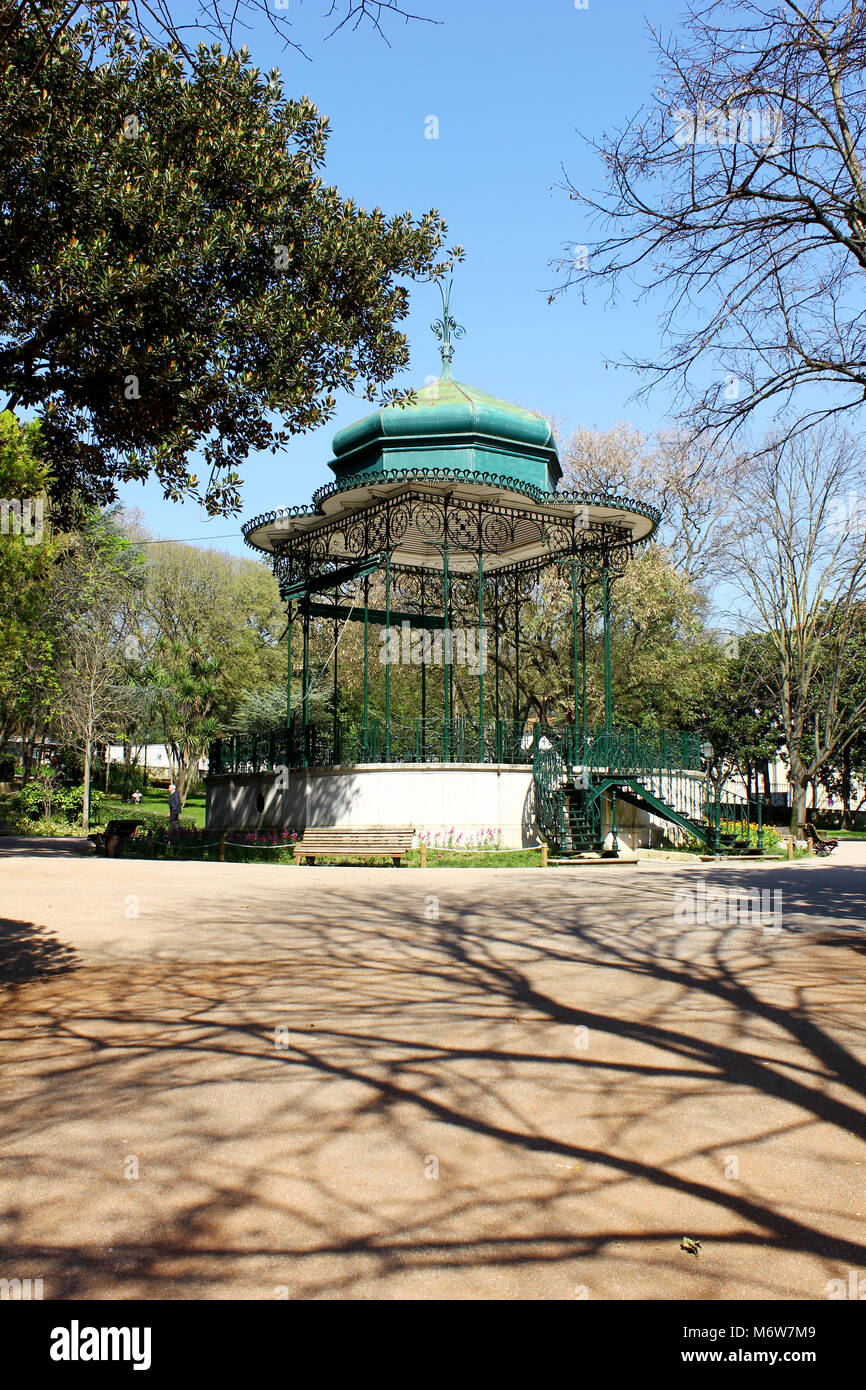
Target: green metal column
<point x="452" y="702"/>
<point x="334" y="722"/>
<point x="480" y="658"/>
<point x="446" y="598"/>
<point x="516" y="656"/>
<point x="496" y="647"/>
<point x="605" y="598"/>
<point x="289" y="669"/>
<point x="366" y="653"/>
<point x="305" y="688"/>
<point x="574" y="656"/>
<point x="583" y="654"/>
<point x="423" y="680"/>
<point x="388" y="662"/>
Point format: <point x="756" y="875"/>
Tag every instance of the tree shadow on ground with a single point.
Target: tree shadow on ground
<point x="46" y="846"/>
<point x="29" y="952"/>
<point x="581" y="1065"/>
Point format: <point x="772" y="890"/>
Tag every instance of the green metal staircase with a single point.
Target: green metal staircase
<point x="582" y="819"/>
<point x="569" y="810"/>
<point x="568" y="814"/>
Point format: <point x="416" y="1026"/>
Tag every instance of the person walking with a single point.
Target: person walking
<point x="173" y="807"/>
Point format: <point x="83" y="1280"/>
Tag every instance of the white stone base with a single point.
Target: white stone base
<point x="637" y="828"/>
<point x="437" y="798"/>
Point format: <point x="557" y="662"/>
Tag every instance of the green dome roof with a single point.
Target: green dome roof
<point x="447" y="406"/>
<point x="449" y="426"/>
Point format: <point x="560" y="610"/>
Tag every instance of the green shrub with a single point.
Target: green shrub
<point x="153" y="820"/>
<point x="30" y="801"/>
<point x="65" y="803"/>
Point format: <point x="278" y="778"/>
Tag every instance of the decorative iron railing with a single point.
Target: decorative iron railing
<point x="463" y="739"/>
<point x="638" y="751"/>
<point x="550" y="777"/>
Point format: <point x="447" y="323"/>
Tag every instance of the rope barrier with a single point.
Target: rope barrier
<point x="236" y="844"/>
<point x="245" y="844"/>
<point x="431" y="849"/>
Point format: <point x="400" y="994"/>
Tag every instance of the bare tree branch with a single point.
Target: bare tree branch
<point x="740" y="197"/>
<point x="798" y="558"/>
<point x="222" y="21"/>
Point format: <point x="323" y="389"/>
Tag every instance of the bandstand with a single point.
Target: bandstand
<point x="434" y="538"/>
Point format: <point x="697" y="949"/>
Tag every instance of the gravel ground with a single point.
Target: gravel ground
<point x="258" y="1082"/>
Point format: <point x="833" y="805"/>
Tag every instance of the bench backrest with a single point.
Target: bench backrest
<point x="366" y="836"/>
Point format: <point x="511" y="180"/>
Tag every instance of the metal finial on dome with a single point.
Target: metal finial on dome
<point x="446" y="328"/>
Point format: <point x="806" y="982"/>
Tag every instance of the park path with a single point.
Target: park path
<point x="255" y="1081"/>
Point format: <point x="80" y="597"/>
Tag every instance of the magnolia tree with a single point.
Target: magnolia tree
<point x="178" y="283"/>
<point x="27" y="553"/>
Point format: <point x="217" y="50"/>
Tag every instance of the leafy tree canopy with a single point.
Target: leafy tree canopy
<point x="741" y="719"/>
<point x="176" y="275"/>
<point x="26" y="567"/>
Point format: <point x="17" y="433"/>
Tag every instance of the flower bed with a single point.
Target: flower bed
<point x="488" y="839"/>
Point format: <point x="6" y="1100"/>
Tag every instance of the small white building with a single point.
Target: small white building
<point x="780" y="790"/>
<point x="152" y="756"/>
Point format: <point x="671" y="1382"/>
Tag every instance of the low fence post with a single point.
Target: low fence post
<point x="221" y="849"/>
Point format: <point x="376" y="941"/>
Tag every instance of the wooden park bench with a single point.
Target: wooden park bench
<point x="112" y="839"/>
<point x="355" y="841"/>
<point x="819" y="846"/>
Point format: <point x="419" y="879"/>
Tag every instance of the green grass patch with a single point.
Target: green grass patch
<point x="154" y="804"/>
<point x="454" y="859"/>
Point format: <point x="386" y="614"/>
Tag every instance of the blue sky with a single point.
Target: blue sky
<point x="511" y="85"/>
